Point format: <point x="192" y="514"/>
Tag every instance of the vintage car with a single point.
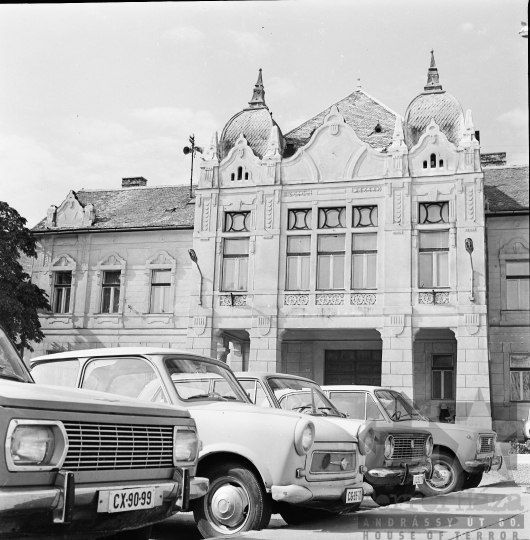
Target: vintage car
<point x="257" y="460"/>
<point x="461" y="453"/>
<point x="80" y="464"/>
<point x="397" y="459"/>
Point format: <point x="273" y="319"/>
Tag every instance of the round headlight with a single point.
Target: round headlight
<point x="389" y="446"/>
<point x="304" y="436"/>
<point x="186" y="445"/>
<point x="366" y="442"/>
<point x="32" y="445"/>
<point x="429" y="445"/>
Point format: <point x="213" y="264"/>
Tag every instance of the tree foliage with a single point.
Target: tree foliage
<point x="19" y="298"/>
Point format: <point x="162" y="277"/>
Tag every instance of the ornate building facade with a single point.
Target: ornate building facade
<point x="350" y="250"/>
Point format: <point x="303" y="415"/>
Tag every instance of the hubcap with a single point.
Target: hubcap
<point x="228" y="505"/>
<point x="442" y="476"/>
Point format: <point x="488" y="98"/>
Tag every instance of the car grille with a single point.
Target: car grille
<point x="96" y="447"/>
<point x="330" y="462"/>
<point x="486" y="444"/>
<point x="408" y="447"/>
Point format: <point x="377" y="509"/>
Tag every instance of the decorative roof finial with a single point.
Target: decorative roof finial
<point x="433" y="79"/>
<point x="358" y="83"/>
<point x="258" y="97"/>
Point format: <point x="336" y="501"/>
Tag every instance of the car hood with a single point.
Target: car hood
<point x="324" y="430"/>
<point x="447" y="428"/>
<point x="38" y="396"/>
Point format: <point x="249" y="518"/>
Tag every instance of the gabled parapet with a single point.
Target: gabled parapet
<point x="70" y="214"/>
<point x="333" y="153"/>
<point x="241" y="167"/>
<point x="434" y="155"/>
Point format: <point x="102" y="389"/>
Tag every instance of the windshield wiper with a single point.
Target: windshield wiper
<point x="209" y="395"/>
<point x="6" y="373"/>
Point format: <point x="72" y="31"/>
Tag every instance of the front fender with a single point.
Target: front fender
<point x="243" y="451"/>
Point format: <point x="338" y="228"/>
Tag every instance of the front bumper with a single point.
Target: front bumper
<point x="326" y="495"/>
<point x="398" y="475"/>
<point x="484" y="463"/>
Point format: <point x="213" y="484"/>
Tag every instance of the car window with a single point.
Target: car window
<point x="372" y="410"/>
<point x="128" y="377"/>
<point x="63" y="373"/>
<point x="352" y="403"/>
<point x="201" y="379"/>
<point x="396" y="405"/>
<point x="11" y="366"/>
<point x="256" y="393"/>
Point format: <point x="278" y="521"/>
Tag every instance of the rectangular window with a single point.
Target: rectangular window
<point x="299" y="219"/>
<point x="364" y="261"/>
<point x="520" y="377"/>
<point x="442" y="376"/>
<point x="434" y="259"/>
<point x="517" y="285"/>
<point x="237" y="221"/>
<point x="298" y="263"/>
<point x="235" y="264"/>
<point x="364" y="216"/>
<point x="331" y="218"/>
<point x="330" y="262"/>
<point x="62" y="292"/>
<point x="434" y="213"/>
<point x="110" y="294"/>
<point x="160" y="291"/>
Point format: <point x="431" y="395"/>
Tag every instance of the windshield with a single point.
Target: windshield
<point x="302" y="396"/>
<point x="196" y="379"/>
<point x="397" y="406"/>
<point x="11" y="366"/>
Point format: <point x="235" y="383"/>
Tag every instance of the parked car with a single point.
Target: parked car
<point x="257" y="460"/>
<point x="397" y="459"/>
<point x="85" y="464"/>
<point x="461" y="453"/>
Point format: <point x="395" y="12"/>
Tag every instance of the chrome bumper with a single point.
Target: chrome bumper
<point x="401" y="472"/>
<point x="324" y="492"/>
<point x="489" y="463"/>
<point x="198" y="487"/>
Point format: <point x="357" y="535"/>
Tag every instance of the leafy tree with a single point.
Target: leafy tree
<point x="19" y="298"/>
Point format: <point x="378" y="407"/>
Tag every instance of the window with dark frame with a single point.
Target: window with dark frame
<point x="298" y="263"/>
<point x="330" y="261"/>
<point x="364" y="216"/>
<point x="517" y="285"/>
<point x="434" y="259"/>
<point x="432" y="213"/>
<point x="332" y="218"/>
<point x="364" y="261"/>
<point x="520" y="377"/>
<point x="299" y="219"/>
<point x="442" y="376"/>
<point x="62" y="292"/>
<point x="237" y="222"/>
<point x="160" y="301"/>
<point x="235" y="264"/>
<point x="110" y="291"/>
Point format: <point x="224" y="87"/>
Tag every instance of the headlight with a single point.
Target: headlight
<point x="366" y="442"/>
<point x="304" y="436"/>
<point x="429" y="445"/>
<point x="35" y="445"/>
<point x="185" y="445"/>
<point x="479" y="444"/>
<point x="389" y="446"/>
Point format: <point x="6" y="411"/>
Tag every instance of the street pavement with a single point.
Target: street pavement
<point x="496" y="510"/>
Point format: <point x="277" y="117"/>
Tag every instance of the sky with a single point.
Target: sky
<point x="93" y="93"/>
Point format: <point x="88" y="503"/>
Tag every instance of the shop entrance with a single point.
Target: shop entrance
<point x="353" y="367"/>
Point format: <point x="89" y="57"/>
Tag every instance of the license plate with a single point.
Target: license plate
<point x="353" y="495"/>
<point x="125" y="500"/>
<point x="418" y="479"/>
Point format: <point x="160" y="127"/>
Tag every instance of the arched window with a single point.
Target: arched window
<point x="232" y="177"/>
<point x="441" y="163"/>
<point x="246" y="176"/>
<point x="240" y="173"/>
<point x="433" y="161"/>
<point x="425" y="164"/>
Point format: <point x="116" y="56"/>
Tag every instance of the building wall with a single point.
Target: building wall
<point x="509" y="333"/>
<point x="135" y="254"/>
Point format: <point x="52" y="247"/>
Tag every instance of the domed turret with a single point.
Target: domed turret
<point x="435" y="103"/>
<point x="255" y="122"/>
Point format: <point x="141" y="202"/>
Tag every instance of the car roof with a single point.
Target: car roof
<point x="119" y="351"/>
<point x="268" y="375"/>
<point x="352" y="387"/>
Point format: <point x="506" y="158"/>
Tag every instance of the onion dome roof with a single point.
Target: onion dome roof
<point x="255" y="122"/>
<point x="433" y="102"/>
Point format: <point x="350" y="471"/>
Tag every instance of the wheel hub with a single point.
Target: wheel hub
<point x="228" y="505"/>
<point x="441" y="476"/>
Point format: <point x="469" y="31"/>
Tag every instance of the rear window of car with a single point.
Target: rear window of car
<point x="63" y="373"/>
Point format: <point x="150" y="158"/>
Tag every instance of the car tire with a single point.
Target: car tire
<point x="236" y="502"/>
<point x="473" y="480"/>
<point x="448" y="476"/>
<point x="143" y="533"/>
<point x="296" y="515"/>
<point x="385" y="495"/>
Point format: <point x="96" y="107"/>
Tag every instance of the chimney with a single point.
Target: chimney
<point x="137" y="181"/>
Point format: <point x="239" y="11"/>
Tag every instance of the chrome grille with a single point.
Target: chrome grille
<point x="486" y="444"/>
<point x="408" y="447"/>
<point x="96" y="447"/>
